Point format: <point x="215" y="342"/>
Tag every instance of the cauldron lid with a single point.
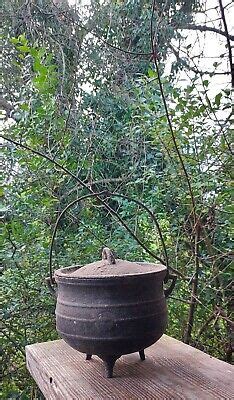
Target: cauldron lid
<point x="110" y="267"/>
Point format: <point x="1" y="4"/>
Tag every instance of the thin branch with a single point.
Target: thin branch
<point x="193" y="300"/>
<point x="94" y="33"/>
<point x="16" y="345"/>
<point x="204" y="28"/>
<point x="228" y="41"/>
<point x="195" y="69"/>
<point x="84" y="185"/>
<point x="168" y="116"/>
<point x="196" y="227"/>
<point x="180" y="300"/>
<point x="103" y="181"/>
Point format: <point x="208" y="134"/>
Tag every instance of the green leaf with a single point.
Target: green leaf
<point x="14" y="40"/>
<point x="218" y="99"/>
<point x="1" y="191"/>
<point x="151" y="73"/>
<point x="39" y="67"/>
<point x="23" y="48"/>
<point x="24" y="107"/>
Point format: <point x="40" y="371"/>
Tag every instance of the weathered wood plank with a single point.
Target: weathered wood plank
<point x="172" y="370"/>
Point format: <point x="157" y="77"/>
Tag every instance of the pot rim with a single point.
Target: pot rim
<point x="63" y="273"/>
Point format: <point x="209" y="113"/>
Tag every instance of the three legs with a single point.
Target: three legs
<point x="109" y="362"/>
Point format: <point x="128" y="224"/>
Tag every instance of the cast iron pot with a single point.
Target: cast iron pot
<point x="111" y="307"/>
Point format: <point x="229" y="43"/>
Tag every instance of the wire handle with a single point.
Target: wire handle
<point x="107" y="254"/>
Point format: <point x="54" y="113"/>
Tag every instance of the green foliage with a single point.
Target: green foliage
<point x="101" y="116"/>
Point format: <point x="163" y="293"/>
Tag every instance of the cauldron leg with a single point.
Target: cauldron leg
<point x="142" y="355"/>
<point x="109" y="362"/>
<point x="88" y="356"/>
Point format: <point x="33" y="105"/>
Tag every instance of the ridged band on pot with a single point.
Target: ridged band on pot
<point x="111" y="315"/>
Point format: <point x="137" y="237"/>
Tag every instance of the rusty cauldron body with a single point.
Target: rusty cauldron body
<point x="111" y="307"/>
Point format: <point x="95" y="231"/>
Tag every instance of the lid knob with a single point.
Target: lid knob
<point x="108" y="255"/>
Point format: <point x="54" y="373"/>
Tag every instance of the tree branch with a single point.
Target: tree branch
<point x="98" y="182"/>
<point x="84" y="185"/>
<point x="193" y="299"/>
<point x="155" y="59"/>
<point x="196" y="226"/>
<point x="91" y="32"/>
<point x="228" y="41"/>
<point x="204" y="28"/>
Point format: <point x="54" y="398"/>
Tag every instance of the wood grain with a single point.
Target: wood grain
<point x="172" y="370"/>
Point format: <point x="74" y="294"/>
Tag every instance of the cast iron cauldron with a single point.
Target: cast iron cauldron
<point x="111" y="307"/>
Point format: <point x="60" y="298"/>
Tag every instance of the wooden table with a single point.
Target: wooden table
<point x="172" y="370"/>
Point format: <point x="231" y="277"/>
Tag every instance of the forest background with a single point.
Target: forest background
<point x="127" y="97"/>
